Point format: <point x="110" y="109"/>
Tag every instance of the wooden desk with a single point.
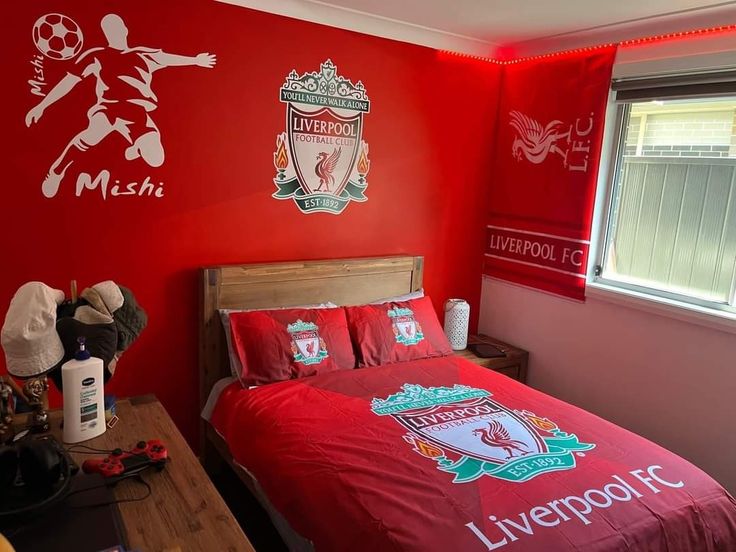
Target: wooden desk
<point x="184" y="511"/>
<point x="513" y="365"/>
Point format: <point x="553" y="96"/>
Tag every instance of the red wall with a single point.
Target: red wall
<point x="430" y="130"/>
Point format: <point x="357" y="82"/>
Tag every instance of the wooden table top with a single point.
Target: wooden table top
<point x="514" y="363"/>
<point x="184" y="511"/>
<point x="511" y="351"/>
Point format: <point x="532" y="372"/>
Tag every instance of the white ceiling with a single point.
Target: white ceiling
<point x="522" y="26"/>
<point x="509" y="21"/>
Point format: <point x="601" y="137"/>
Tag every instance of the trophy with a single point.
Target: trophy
<point x="35" y="390"/>
<point x="6" y="412"/>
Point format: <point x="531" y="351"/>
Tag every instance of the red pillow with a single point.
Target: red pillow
<point x="277" y="345"/>
<point x="397" y="331"/>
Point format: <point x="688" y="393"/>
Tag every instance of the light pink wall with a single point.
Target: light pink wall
<point x="671" y="381"/>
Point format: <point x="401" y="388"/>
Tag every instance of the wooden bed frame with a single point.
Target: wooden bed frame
<point x="284" y="284"/>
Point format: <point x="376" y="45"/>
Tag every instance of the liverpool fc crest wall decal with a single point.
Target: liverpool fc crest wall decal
<point x="121" y="74"/>
<point x="321" y="160"/>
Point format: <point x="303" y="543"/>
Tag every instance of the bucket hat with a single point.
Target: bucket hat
<point x="29" y="338"/>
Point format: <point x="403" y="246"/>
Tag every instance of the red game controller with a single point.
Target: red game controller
<point x="122" y="463"/>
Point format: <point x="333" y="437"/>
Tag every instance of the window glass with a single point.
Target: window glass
<point x="672" y="225"/>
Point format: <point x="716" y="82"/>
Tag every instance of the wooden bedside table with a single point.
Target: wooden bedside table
<point x="184" y="511"/>
<point x="513" y="365"/>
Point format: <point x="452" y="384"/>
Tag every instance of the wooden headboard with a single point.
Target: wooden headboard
<point x="254" y="286"/>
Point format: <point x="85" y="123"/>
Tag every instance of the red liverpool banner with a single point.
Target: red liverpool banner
<point x="548" y="149"/>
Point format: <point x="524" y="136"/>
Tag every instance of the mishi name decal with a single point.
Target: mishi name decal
<point x="123" y="78"/>
<point x="321" y="160"/>
<point x="470" y="435"/>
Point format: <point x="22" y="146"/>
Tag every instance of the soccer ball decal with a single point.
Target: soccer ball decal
<point x="57" y="36"/>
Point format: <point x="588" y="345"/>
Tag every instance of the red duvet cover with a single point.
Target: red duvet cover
<point x="444" y="455"/>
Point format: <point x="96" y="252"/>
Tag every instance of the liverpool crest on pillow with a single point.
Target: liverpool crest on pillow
<point x="406" y="329"/>
<point x="306" y="344"/>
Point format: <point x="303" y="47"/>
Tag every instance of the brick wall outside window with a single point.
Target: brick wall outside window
<point x="631" y="135"/>
<point x="697" y="134"/>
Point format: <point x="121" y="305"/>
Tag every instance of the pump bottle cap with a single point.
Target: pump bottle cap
<point x="82" y="353"/>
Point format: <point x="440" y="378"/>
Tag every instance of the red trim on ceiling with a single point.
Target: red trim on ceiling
<point x="624" y="43"/>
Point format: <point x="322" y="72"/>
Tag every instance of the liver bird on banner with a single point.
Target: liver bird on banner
<point x="533" y="141"/>
<point x="325" y="167"/>
<point x="498" y="436"/>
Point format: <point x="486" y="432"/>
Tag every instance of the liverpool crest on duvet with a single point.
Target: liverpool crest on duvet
<point x="469" y="435"/>
<point x="321" y="160"/>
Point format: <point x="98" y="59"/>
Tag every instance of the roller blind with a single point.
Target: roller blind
<point x="692" y="85"/>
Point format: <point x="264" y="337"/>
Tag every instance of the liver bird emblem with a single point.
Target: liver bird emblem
<point x="498" y="436"/>
<point x="310" y="349"/>
<point x="534" y="142"/>
<point x="326" y="164"/>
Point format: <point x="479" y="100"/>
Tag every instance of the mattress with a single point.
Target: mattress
<point x="442" y="454"/>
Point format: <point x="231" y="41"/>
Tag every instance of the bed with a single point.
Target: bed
<point x="437" y="453"/>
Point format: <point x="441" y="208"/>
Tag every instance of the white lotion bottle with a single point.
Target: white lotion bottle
<point x="84" y="400"/>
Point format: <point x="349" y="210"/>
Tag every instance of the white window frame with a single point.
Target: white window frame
<point x="683" y="307"/>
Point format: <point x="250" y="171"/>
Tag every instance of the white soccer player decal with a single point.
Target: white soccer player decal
<point x="125" y="98"/>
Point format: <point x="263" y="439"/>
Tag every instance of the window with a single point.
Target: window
<point x="671" y="221"/>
